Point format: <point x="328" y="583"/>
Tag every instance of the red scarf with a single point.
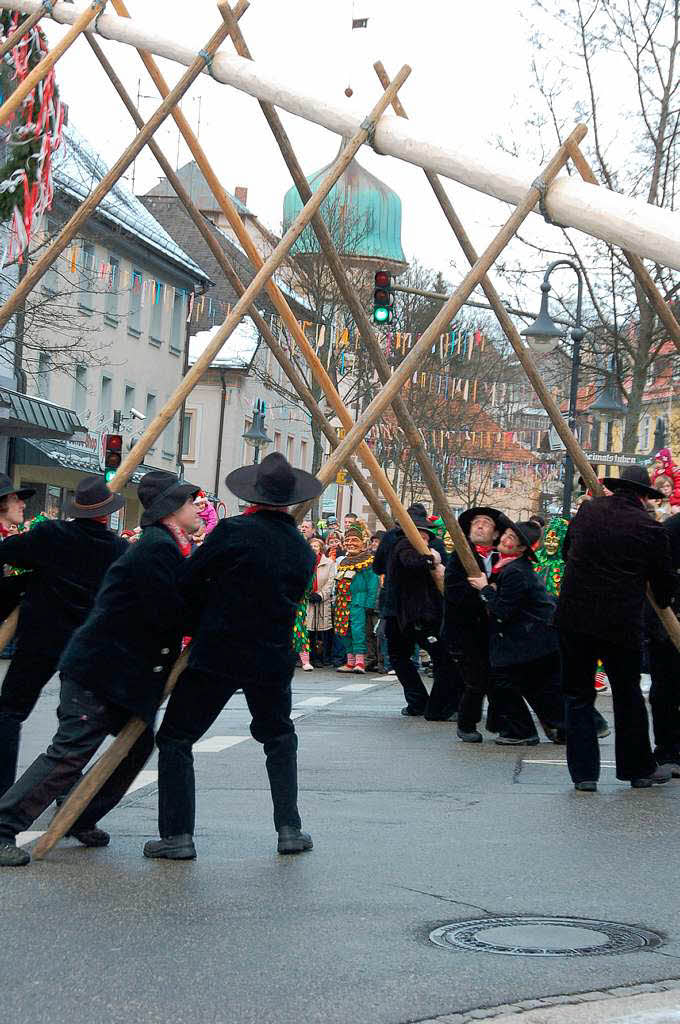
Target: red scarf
<point x="503" y="561"/>
<point x="484" y="549"/>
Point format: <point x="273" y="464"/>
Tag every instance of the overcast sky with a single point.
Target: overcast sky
<point x="470" y="73"/>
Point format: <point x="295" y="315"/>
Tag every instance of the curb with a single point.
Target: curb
<point x="550" y="1002"/>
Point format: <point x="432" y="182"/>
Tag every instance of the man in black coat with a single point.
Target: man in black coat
<point x="418" y="605"/>
<point x="664" y="668"/>
<point x="523" y="646"/>
<point x="613" y="549"/>
<point x="414" y="690"/>
<point x="114" y="665"/>
<point x="245" y="584"/>
<point x="466" y="622"/>
<point x="68" y="561"/>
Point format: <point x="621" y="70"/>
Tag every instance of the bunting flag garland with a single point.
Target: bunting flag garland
<point x="34" y="136"/>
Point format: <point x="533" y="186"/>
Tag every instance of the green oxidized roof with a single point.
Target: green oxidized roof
<point x="362" y="214"/>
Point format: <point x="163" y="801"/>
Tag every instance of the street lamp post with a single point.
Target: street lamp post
<point x="256" y="436"/>
<point x="543" y="336"/>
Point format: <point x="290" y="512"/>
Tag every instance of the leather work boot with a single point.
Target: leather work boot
<point x="12" y="856"/>
<point x="90" y="836"/>
<point x="172" y="848"/>
<point x="292" y="840"/>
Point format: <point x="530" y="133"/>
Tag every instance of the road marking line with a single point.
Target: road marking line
<point x="355" y="687"/>
<point x="145" y="778"/>
<point x="24" y="838"/>
<point x="316" y="702"/>
<point x="298" y="714"/>
<point x="603" y="764"/>
<point x="213" y="744"/>
<point x="386" y="679"/>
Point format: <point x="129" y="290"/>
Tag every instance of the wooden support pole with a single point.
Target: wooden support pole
<point x="643" y="276"/>
<point x="647" y="230"/>
<point x="261" y="279"/>
<point x="289" y="368"/>
<point x="361" y="320"/>
<point x="579" y="459"/>
<point x="84" y="791"/>
<point x="86" y="209"/>
<point x="411" y="362"/>
<point x="16" y="98"/>
<point x="24" y="28"/>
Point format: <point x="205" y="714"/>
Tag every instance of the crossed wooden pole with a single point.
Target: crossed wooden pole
<point x="392" y="384"/>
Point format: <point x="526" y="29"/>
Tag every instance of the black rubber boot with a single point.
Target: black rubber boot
<point x="171" y="848"/>
<point x="292" y="840"/>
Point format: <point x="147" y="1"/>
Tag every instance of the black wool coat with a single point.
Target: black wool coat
<point x="416" y="597"/>
<point x="382" y="566"/>
<point x="613" y="548"/>
<point x="68" y="561"/>
<point x="244" y="585"/>
<point x="521" y="616"/>
<point x="126" y="647"/>
<point x="466" y="622"/>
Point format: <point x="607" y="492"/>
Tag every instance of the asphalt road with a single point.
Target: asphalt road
<point x="412" y="830"/>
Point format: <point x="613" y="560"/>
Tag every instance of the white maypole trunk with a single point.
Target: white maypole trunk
<point x="646" y="230"/>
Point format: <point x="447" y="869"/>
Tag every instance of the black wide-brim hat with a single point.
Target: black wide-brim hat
<point x="162" y="493"/>
<point x="636" y="479"/>
<point x="7" y="487"/>
<point x="527" y="532"/>
<point x="466" y="517"/>
<point x="273" y="482"/>
<point x="422" y="523"/>
<point x="92" y="500"/>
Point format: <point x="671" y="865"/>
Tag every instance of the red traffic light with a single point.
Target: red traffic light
<point x="382" y="279"/>
<point x="113" y="451"/>
<point x="114" y="443"/>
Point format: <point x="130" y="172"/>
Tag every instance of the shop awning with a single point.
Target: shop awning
<point x="68" y="456"/>
<point x="25" y="416"/>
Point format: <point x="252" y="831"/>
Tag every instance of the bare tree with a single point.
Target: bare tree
<point x="614" y="64"/>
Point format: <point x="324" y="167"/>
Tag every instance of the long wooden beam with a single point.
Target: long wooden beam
<point x="647" y="230"/>
<point x="81" y="22"/>
<point x="83" y="793"/>
<point x="289" y="368"/>
<point x="666" y="615"/>
<point x="409" y="365"/>
<point x="366" y="332"/>
<point x="87" y="208"/>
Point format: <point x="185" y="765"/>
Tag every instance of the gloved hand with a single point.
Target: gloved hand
<point x="315" y="598"/>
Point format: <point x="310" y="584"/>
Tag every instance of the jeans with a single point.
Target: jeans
<point x="633" y="751"/>
<point x="664" y="700"/>
<point x="84" y="722"/>
<point x="535" y="682"/>
<point x="447" y="683"/>
<point x="194" y="705"/>
<point x="26" y="676"/>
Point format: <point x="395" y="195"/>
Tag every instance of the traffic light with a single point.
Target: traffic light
<point x="383" y="297"/>
<point x="113" y="454"/>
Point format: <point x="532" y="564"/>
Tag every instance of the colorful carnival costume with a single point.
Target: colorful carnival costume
<point x="356" y="593"/>
<point x="665" y="466"/>
<point x="549" y="564"/>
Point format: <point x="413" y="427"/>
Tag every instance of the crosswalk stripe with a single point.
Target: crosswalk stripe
<point x="316" y="702"/>
<point x="24" y="838"/>
<point x="212" y="744"/>
<point x="355" y="687"/>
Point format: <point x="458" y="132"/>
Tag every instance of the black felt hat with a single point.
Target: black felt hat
<point x="162" y="493"/>
<point x="527" y="532"/>
<point x="7" y="487"/>
<point x="633" y="478"/>
<point x="93" y="499"/>
<point x="422" y="523"/>
<point x="466" y="517"/>
<point x="273" y="482"/>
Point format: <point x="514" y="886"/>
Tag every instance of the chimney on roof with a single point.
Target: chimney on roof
<point x="241" y="193"/>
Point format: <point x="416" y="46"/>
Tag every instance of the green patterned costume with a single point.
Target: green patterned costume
<point x="550" y="567"/>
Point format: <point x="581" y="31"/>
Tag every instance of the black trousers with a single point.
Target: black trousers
<point x="321" y="646"/>
<point x="633" y="751"/>
<point x="447" y="681"/>
<point x="26" y="676"/>
<point x="195" y="703"/>
<point x="474" y="664"/>
<point x="536" y="683"/>
<point x="664" y="700"/>
<point x="84" y="723"/>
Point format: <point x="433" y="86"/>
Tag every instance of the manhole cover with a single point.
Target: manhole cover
<point x="544" y="936"/>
